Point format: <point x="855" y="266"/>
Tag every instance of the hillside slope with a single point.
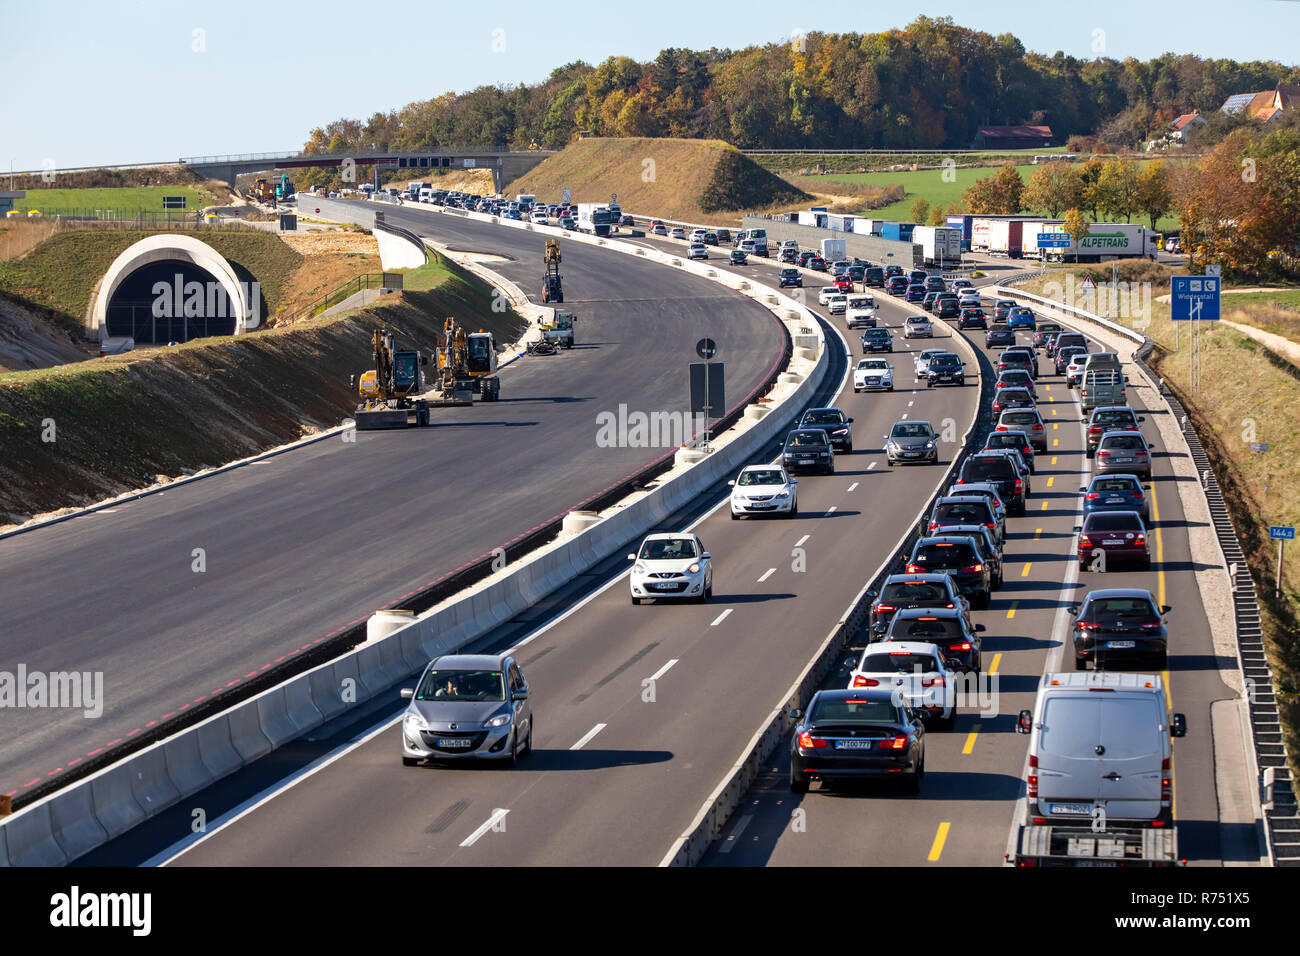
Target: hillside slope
<point x="685" y="179"/>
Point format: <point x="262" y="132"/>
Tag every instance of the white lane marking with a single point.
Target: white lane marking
<point x="721" y="617"/>
<point x="497" y="815"/>
<point x="586" y="738"/>
<point x="831" y="510"/>
<point x="910" y="404"/>
<point x="663" y="670"/>
<point x="767" y="574"/>
<point x="799" y="543"/>
<point x="853" y="487"/>
<point x="870" y="466"/>
<point x="736" y="831"/>
<point x="904" y="414"/>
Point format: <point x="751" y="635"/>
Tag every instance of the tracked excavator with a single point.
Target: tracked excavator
<point x="390" y="392"/>
<point x="467" y="365"/>
<point x="552" y="289"/>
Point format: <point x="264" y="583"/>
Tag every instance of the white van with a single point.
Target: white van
<point x="1100" y="751"/>
<point x="860" y="311"/>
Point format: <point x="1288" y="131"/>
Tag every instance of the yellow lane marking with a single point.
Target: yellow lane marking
<point x="1160" y="545"/>
<point x="1037" y="532"/>
<point x="997" y="659"/>
<point x="1053" y="412"/>
<point x="1025" y="572"/>
<point x="970" y="741"/>
<point x="1053" y="459"/>
<point x="1044" y="507"/>
<point x="1050" y="480"/>
<point x="1055" y="442"/>
<point x="1056" y="425"/>
<point x="937" y="849"/>
<point x="1011" y="611"/>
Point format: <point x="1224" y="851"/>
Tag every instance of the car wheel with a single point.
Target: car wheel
<point x="1146" y="564"/>
<point x="410" y="761"/>
<point x="513" y="759"/>
<point x="951" y="720"/>
<point x="798" y="782"/>
<point x="848" y="447"/>
<point x="735" y="517"/>
<point x="913" y="785"/>
<point x="708" y="591"/>
<point x="1080" y="664"/>
<point x="856" y="390"/>
<point x="1083" y="565"/>
<point x="636" y="600"/>
<point x="889" y="461"/>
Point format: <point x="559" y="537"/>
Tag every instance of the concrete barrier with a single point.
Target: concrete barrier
<point x="116" y="807"/>
<point x="216" y="748"/>
<point x="273" y="716"/>
<point x="30" y="838"/>
<point x="151" y="785"/>
<point x="246" y="734"/>
<point x="185" y="766"/>
<point x="72" y="820"/>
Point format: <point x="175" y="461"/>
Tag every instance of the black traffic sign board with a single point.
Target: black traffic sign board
<point x="706" y="348"/>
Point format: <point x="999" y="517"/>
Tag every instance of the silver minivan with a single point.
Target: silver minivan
<point x="468" y="706"/>
<point x="1100" y="750"/>
<point x="1101" y="386"/>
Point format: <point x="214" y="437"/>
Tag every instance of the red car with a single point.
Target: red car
<point x="844" y="283"/>
<point x="1109" y="537"/>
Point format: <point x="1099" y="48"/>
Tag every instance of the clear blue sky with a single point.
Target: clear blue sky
<point x="122" y="82"/>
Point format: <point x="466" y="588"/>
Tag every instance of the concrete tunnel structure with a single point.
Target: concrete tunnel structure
<point x="168" y="288"/>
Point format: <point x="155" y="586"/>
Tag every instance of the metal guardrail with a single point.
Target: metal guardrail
<point x="239" y="158"/>
<point x="1273" y="774"/>
<point x="368" y="280"/>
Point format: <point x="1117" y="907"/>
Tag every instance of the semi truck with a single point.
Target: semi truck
<point x="900" y="231"/>
<point x="940" y="245"/>
<point x="963" y="223"/>
<point x="594" y="218"/>
<point x="1029" y="236"/>
<point x="1099" y="779"/>
<point x="834" y="250"/>
<point x="1105" y="240"/>
<point x="1005" y="237"/>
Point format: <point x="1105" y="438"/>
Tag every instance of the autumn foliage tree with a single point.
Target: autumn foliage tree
<point x="996" y="195"/>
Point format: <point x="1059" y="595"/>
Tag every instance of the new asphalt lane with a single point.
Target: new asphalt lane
<point x="300" y="545"/>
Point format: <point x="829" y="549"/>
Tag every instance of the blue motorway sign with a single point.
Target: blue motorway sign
<point x="1052" y="240"/>
<point x="1194" y="298"/>
<point x="1278" y="531"/>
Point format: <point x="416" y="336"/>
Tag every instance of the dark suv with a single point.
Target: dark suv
<point x="1117" y="625"/>
<point x="946" y="306"/>
<point x="836" y="425"/>
<point x="903" y="591"/>
<point x="789" y="277"/>
<point x="957" y="556"/>
<point x="808" y="449"/>
<point x="997" y="470"/>
<point x="874" y="276"/>
<point x="946" y="629"/>
<point x="963" y="510"/>
<point x="897" y="285"/>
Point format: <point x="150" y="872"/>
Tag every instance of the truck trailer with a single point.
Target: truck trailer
<point x="594" y="218"/>
<point x="1105" y="240"/>
<point x="940" y="245"/>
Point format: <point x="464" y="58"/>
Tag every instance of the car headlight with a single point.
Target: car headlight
<point x="840" y="431"/>
<point x="783" y="493"/>
<point x="929" y="445"/>
<point x="639" y="568"/>
<point x="500" y="720"/>
<point x="892" y="445"/>
<point x="414" y="722"/>
<point x="694" y="568"/>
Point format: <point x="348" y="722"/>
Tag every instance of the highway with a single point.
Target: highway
<point x="974" y="773"/>
<point x="301" y="545"/>
<point x="641" y="768"/>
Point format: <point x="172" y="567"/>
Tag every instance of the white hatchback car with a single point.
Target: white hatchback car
<point x="917" y="672"/>
<point x="873" y="375"/>
<point x="670" y="565"/>
<point x="838" y="304"/>
<point x="825" y="294"/>
<point x="923" y="362"/>
<point x="764" y="489"/>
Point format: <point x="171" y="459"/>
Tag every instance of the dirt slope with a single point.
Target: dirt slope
<point x="687" y="179"/>
<point x="30" y="339"/>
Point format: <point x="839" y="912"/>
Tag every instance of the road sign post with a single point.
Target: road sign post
<point x="703" y="399"/>
<point x="1194" y="299"/>
<point x="1283" y="534"/>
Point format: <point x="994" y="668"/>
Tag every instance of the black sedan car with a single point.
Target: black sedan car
<point x="1116" y="626"/>
<point x="837" y="426"/>
<point x="789" y="277"/>
<point x="946" y="307"/>
<point x="945" y="369"/>
<point x="808" y="449"/>
<point x="973" y="318"/>
<point x="1012" y="396"/>
<point x="877" y="340"/>
<point x="737" y="257"/>
<point x="999" y="334"/>
<point x="959" y="557"/>
<point x="854" y="735"/>
<point x="947" y="629"/>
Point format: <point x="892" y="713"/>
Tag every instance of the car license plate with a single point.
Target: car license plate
<point x="805" y="461"/>
<point x="1112" y="543"/>
<point x="1122" y="461"/>
<point x="910" y="454"/>
<point x="1114" y="500"/>
<point x="663" y="587"/>
<point x="1079" y="809"/>
<point x="1120" y="645"/>
<point x="452" y="743"/>
<point x="853" y="744"/>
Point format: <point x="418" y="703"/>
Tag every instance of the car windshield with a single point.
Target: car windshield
<point x="829" y="416"/>
<point x="878" y="365"/>
<point x="861" y="302"/>
<point x="1020" y="418"/>
<point x="964" y="512"/>
<point x="768" y="476"/>
<point x="1106" y="418"/>
<point x="1121" y="483"/>
<point x="668" y="549"/>
<point x="913" y="592"/>
<point x="876" y="334"/>
<point x="807" y="439"/>
<point x="911" y="430"/>
<point x="945" y="361"/>
<point x="901" y="662"/>
<point x="984" y="468"/>
<point x="944" y="554"/>
<point x="1122" y="442"/>
<point x="1006" y="440"/>
<point x="851" y="710"/>
<point x="1112" y="521"/>
<point x="462" y="685"/>
<point x="925" y="628"/>
<point x="1113" y="609"/>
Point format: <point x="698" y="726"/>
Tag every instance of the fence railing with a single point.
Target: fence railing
<point x="129" y="218"/>
<point x="368" y="280"/>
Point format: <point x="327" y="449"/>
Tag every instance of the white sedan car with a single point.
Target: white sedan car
<point x="764" y="489"/>
<point x="873" y="375"/>
<point x="923" y="362"/>
<point x="917" y="672"/>
<point x="540" y="218"/>
<point x="918" y="327"/>
<point x="825" y="295"/>
<point x="838" y="304"/>
<point x="670" y="565"/>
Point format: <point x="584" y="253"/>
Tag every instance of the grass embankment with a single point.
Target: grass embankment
<point x="866" y="162"/>
<point x="683" y="179"/>
<point x="60" y="273"/>
<point x="114" y="202"/>
<point x="1246" y="395"/>
<point x="121" y="422"/>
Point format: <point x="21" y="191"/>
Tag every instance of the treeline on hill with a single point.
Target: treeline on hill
<point x="1238" y="205"/>
<point x="109" y="178"/>
<point x="929" y="85"/>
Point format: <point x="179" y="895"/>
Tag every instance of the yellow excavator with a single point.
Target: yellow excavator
<point x="467" y="365"/>
<point x="390" y="391"/>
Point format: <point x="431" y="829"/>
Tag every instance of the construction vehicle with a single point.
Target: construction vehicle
<point x="552" y="290"/>
<point x="286" y="188"/>
<point x="467" y="365"/>
<point x="390" y="391"/>
<point x="262" y="191"/>
<point x="559" y="330"/>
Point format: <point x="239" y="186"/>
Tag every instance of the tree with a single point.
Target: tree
<point x="937" y="215"/>
<point x="1089" y="175"/>
<point x="920" y="210"/>
<point x="1117" y="188"/>
<point x="996" y="195"/>
<point x="1076" y="224"/>
<point x="1155" y="195"/>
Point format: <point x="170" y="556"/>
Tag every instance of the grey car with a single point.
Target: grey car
<point x="912" y="442"/>
<point x="467" y="707"/>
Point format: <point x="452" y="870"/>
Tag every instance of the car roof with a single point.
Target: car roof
<point x="1112" y="476"/>
<point x="467" y="662"/>
<point x="1120" y="593"/>
<point x="929" y="578"/>
<point x="673" y="535"/>
<point x="805" y="431"/>
<point x="1122" y="433"/>
<point x="1114" y="408"/>
<point x="828" y="408"/>
<point x="762" y="468"/>
<point x="949" y="538"/>
<point x="911" y="647"/>
<point x="953" y="499"/>
<point x="863" y="693"/>
<point x="906" y="613"/>
<point x="1093" y="514"/>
